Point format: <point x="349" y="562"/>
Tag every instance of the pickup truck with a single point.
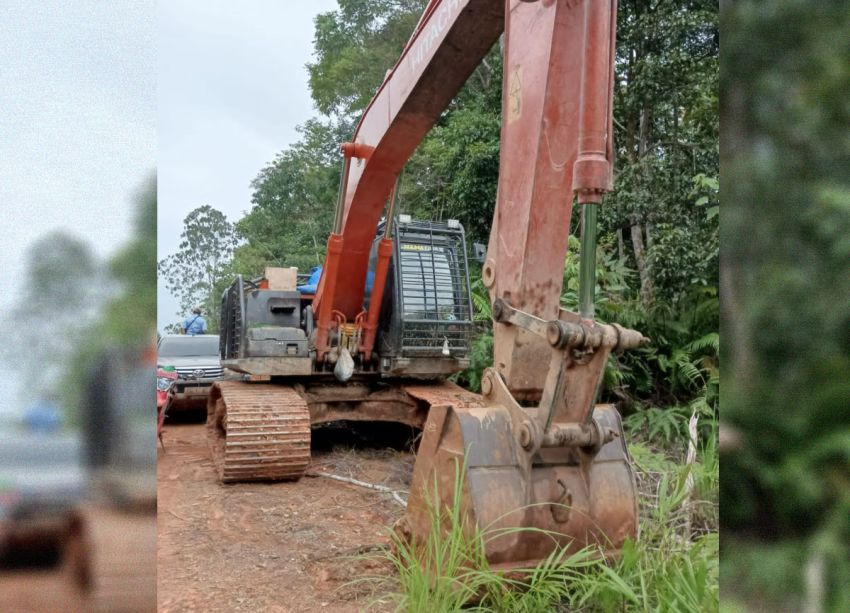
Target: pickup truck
<point x="196" y="361"/>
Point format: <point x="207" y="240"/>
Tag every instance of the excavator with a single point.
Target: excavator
<point x="391" y="317"/>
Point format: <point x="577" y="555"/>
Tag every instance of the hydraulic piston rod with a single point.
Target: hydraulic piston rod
<point x="587" y="263"/>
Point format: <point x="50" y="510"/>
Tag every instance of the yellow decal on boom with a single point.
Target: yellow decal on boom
<point x="515" y="94"/>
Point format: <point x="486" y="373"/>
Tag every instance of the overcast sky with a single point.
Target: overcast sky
<point x="77" y="125"/>
<point x="232" y="89"/>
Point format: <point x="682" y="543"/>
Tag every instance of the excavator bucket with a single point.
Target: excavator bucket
<point x="525" y="505"/>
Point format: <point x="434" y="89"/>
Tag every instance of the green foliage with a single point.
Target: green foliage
<point x="668" y="576"/>
<point x="195" y="271"/>
<point x="768" y="573"/>
<point x="787" y="372"/>
<point x="674" y="564"/>
<point x="663" y="424"/>
<point x="355" y="46"/>
<point x="681" y="363"/>
<point x="131" y="315"/>
<point x="455" y="170"/>
<point x="293" y="203"/>
<point x="666" y="138"/>
<point x="679" y="367"/>
<point x="450" y="568"/>
<point x="765" y="572"/>
<point x="480" y="359"/>
<point x="482" y="307"/>
<point x="127" y="316"/>
<point x="786" y="219"/>
<point x="613" y="277"/>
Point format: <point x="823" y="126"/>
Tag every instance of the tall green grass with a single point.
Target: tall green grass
<point x="672" y="567"/>
<point x="449" y="570"/>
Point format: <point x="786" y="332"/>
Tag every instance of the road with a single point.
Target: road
<point x="283" y="547"/>
<point x="38" y="591"/>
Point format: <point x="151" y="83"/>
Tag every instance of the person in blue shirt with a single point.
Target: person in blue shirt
<point x="194" y="323"/>
<point x="44" y="417"/>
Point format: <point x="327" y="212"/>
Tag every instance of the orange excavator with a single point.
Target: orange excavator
<point x="391" y="316"/>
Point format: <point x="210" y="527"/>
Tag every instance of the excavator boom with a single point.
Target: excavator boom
<point x="450" y="41"/>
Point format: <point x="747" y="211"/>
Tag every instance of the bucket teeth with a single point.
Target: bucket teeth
<point x="258" y="432"/>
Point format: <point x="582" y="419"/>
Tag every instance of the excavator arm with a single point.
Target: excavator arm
<point x="553" y="470"/>
<point x="556" y="144"/>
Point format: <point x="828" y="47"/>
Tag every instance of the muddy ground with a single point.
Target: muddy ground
<point x="38" y="581"/>
<point x="38" y="590"/>
<point x="118" y="551"/>
<point x="285" y="547"/>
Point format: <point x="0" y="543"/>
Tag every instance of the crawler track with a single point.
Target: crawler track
<point x="258" y="432"/>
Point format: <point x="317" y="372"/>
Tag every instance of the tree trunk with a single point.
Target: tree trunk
<point x="644" y="132"/>
<point x="621" y="247"/>
<point x="738" y="355"/>
<point x="647" y="292"/>
<point x="648" y="232"/>
<point x="316" y="247"/>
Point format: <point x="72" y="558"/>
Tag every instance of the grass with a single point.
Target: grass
<point x="672" y="567"/>
<point x="763" y="575"/>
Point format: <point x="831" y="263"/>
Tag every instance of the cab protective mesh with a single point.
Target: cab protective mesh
<point x="434" y="290"/>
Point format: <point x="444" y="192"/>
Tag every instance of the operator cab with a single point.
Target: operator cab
<point x="425" y="322"/>
<point x="426" y="316"/>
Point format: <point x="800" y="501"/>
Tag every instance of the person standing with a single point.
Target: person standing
<point x="194" y="324"/>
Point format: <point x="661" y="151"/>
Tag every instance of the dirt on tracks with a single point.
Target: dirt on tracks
<point x="285" y="547"/>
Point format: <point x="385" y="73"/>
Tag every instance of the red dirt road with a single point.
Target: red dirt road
<point x="283" y="547"/>
<point x="38" y="591"/>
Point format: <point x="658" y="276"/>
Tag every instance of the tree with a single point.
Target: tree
<point x="355" y="46"/>
<point x="666" y="191"/>
<point x="126" y="315"/>
<point x="63" y="286"/>
<point x="454" y="171"/>
<point x="786" y="259"/>
<point x="294" y="199"/>
<point x="786" y="222"/>
<point x="131" y="315"/>
<point x="666" y="135"/>
<point x="206" y="249"/>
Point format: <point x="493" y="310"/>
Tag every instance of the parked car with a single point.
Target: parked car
<point x="41" y="483"/>
<point x="196" y="361"/>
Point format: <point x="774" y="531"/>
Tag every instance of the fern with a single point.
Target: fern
<point x="710" y="343"/>
<point x="481" y="302"/>
<point x="659" y="424"/>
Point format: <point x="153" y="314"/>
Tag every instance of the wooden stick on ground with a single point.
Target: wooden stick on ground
<point x="371" y="486"/>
